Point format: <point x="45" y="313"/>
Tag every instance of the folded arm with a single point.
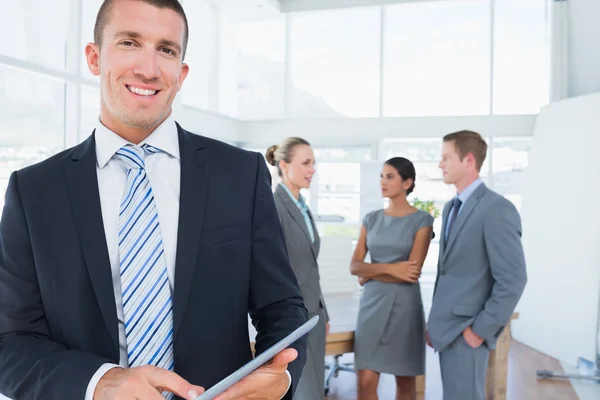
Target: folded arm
<point x="400" y="272"/>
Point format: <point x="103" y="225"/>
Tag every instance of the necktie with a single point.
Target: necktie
<point x="453" y="215"/>
<point x="145" y="287"/>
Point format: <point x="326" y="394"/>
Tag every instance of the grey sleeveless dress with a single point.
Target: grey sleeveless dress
<point x="390" y="331"/>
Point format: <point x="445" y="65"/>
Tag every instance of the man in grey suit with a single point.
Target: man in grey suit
<point x="481" y="270"/>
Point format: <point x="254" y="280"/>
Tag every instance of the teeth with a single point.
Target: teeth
<point x="141" y="92"/>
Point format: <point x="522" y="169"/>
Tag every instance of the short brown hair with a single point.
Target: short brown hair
<point x="103" y="15"/>
<point x="469" y="142"/>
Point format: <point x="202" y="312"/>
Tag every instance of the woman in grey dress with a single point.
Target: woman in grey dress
<point x="295" y="162"/>
<point x="390" y="331"/>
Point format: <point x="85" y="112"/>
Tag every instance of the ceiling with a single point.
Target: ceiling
<point x="248" y="9"/>
<point x="256" y="9"/>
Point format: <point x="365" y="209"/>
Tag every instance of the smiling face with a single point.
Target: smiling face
<point x="140" y="65"/>
<point x="301" y="168"/>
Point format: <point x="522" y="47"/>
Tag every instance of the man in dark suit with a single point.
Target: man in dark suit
<point x="129" y="263"/>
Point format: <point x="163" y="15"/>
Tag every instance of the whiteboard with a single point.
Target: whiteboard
<point x="561" y="232"/>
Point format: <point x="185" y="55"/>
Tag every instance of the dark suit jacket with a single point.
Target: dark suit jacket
<point x="58" y="319"/>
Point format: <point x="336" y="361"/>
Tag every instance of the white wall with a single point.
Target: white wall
<point x="308" y="5"/>
<point x="366" y="131"/>
<point x="561" y="225"/>
<point x="207" y="124"/>
<point x="584" y="58"/>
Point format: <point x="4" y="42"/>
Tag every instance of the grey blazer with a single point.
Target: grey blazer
<point x="481" y="270"/>
<point x="302" y="252"/>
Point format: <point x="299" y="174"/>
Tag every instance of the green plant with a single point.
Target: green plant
<point x="428" y="206"/>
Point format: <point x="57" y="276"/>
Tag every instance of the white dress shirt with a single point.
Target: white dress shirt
<point x="163" y="170"/>
<point x="112" y="176"/>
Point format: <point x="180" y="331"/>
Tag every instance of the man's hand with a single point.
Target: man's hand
<point x="428" y="340"/>
<point x="268" y="382"/>
<point x="327" y="328"/>
<point x="362" y="280"/>
<point x="471" y="338"/>
<point x="147" y="382"/>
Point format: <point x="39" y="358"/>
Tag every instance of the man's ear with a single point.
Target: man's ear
<point x="92" y="56"/>
<point x="185" y="69"/>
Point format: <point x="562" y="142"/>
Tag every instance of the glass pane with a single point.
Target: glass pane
<point x="338" y="177"/>
<point x="200" y="86"/>
<point x="342" y="154"/>
<point x="437" y="58"/>
<point x="340" y="204"/>
<point x="32" y="120"/>
<point x="89" y="10"/>
<point x="90" y="110"/>
<point x="261" y="69"/>
<point x="509" y="167"/>
<point x="35" y="30"/>
<point x="334" y="63"/>
<point x="521" y="84"/>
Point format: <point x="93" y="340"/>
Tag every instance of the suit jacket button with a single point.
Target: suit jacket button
<point x="443" y="273"/>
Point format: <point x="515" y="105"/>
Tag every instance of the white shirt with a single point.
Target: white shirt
<point x="112" y="176"/>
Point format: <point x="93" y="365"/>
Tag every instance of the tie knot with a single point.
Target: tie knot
<point x="133" y="156"/>
<point x="457" y="203"/>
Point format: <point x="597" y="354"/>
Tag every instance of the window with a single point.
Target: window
<point x="32" y="120"/>
<point x="90" y="110"/>
<point x="89" y="11"/>
<point x="437" y="59"/>
<point x="261" y="69"/>
<point x="334" y="63"/>
<point x="201" y="85"/>
<point x="510" y="159"/>
<point x="338" y="189"/>
<point x="35" y="31"/>
<point x="521" y="84"/>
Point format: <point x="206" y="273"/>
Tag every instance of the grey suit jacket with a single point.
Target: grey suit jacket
<point x="303" y="253"/>
<point x="481" y="270"/>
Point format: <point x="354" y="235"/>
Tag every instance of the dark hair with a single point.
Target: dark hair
<point x="405" y="169"/>
<point x="103" y="15"/>
<point x="467" y="142"/>
<point x="283" y="151"/>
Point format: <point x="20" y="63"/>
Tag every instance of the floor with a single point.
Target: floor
<point x="523" y="383"/>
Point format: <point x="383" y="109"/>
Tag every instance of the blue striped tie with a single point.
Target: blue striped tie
<point x="144" y="280"/>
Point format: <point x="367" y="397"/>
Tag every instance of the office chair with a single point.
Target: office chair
<point x="334" y="368"/>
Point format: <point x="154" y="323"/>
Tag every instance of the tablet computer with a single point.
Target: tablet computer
<point x="252" y="365"/>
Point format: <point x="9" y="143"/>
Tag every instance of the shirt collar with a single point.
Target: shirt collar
<point x="164" y="137"/>
<point x="299" y="202"/>
<point x="465" y="194"/>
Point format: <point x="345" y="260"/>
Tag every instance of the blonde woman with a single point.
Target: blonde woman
<point x="295" y="162"/>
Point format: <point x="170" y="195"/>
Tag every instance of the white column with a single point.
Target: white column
<point x="558" y="17"/>
<point x="584" y="57"/>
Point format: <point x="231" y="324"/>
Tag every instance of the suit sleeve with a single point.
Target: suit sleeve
<point x="276" y="303"/>
<point x="502" y="236"/>
<point x="33" y="365"/>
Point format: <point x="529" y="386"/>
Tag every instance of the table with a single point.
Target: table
<point x="342" y="342"/>
<point x="339" y="343"/>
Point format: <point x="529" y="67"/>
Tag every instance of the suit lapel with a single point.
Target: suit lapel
<point x="443" y="233"/>
<point x="82" y="185"/>
<point x="317" y="243"/>
<point x="295" y="212"/>
<point x="468" y="207"/>
<point x="192" y="205"/>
